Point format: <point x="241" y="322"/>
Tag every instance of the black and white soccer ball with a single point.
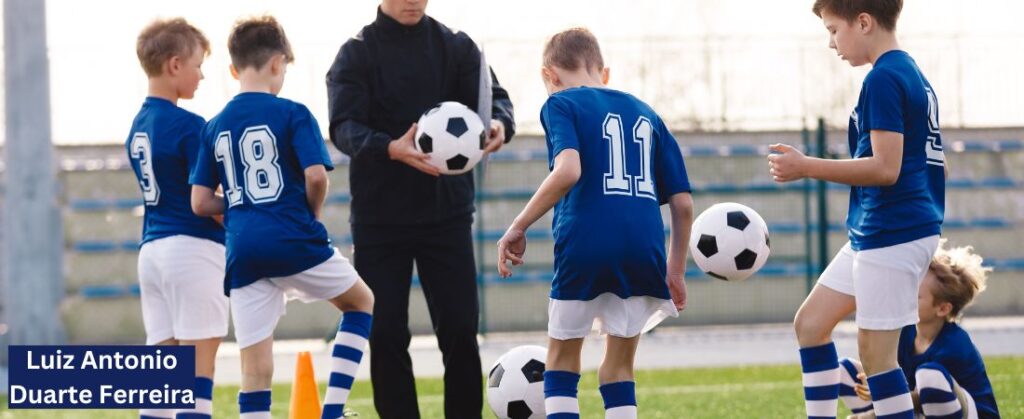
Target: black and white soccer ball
<point x="515" y="385"/>
<point x="453" y="136"/>
<point x="729" y="241"/>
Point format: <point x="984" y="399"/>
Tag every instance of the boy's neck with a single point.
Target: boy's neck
<point x="886" y="42"/>
<point x="928" y="331"/>
<point x="251" y="81"/>
<point x="580" y="79"/>
<point x="160" y="88"/>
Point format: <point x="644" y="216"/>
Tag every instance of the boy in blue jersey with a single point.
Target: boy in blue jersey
<point x="937" y="356"/>
<point x="181" y="259"/>
<point x="613" y="164"/>
<point x="897" y="195"/>
<point x="268" y="155"/>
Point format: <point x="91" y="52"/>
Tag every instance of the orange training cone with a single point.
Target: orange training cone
<point x="305" y="402"/>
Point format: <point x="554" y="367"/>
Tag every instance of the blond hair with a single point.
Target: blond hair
<point x="960" y="277"/>
<point x="167" y="38"/>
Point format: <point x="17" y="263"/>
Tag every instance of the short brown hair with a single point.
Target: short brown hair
<point x="886" y="12"/>
<point x="253" y="41"/>
<point x="167" y="38"/>
<point x="573" y="48"/>
<point x="960" y="277"/>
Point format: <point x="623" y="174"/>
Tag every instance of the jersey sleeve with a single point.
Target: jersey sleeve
<point x="204" y="172"/>
<point x="307" y="139"/>
<point x="669" y="169"/>
<point x="882" y="102"/>
<point x="559" y="124"/>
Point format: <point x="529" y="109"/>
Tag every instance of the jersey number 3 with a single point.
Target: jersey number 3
<point x="616" y="180"/>
<point x="262" y="175"/>
<point x="142" y="152"/>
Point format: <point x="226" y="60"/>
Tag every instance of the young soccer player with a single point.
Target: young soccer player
<point x="897" y="195"/>
<point x="181" y="259"/>
<point x="613" y="164"/>
<point x="268" y="155"/>
<point x="937" y="356"/>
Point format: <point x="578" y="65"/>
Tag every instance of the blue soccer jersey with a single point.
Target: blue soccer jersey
<point x="257" y="149"/>
<point x="954" y="350"/>
<point x="162" y="148"/>
<point x="609" y="236"/>
<point x="896" y="97"/>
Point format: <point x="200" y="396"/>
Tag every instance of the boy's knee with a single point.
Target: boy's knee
<point x="809" y="331"/>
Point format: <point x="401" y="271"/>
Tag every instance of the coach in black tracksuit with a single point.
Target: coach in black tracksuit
<point x="382" y="80"/>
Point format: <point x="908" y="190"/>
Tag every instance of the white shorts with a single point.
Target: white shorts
<point x="257" y="307"/>
<point x="884" y="282"/>
<point x="573" y="319"/>
<point x="181" y="279"/>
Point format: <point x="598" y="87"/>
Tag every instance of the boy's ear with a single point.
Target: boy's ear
<point x="945" y="308"/>
<point x="549" y="76"/>
<point x="605" y="75"/>
<point x="864" y="22"/>
<point x="173" y="65"/>
<point x="277" y="64"/>
<point x="234" y="71"/>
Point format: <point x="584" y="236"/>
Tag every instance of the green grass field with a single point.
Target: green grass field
<point x="740" y="392"/>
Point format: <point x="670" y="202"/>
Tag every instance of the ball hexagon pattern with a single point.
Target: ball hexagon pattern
<point x="729" y="241"/>
<point x="452" y="135"/>
<point x="515" y="384"/>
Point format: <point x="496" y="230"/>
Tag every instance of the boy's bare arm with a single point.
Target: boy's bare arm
<point x="562" y="178"/>
<point x="558" y="183"/>
<point x="205" y="202"/>
<point x="316" y="188"/>
<point x="681" y="207"/>
<point x="881" y="169"/>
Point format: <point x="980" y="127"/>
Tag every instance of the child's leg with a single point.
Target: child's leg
<point x="562" y="378"/>
<point x="849" y="369"/>
<point x="940" y="397"/>
<point x="257" y="374"/>
<point x="206" y="356"/>
<point x="159" y="413"/>
<point x="890" y="393"/>
<point x="349" y="343"/>
<point x="618" y="388"/>
<point x="814" y="322"/>
<point x="887" y="284"/>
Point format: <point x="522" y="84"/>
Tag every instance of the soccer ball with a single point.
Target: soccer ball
<point x="515" y="385"/>
<point x="453" y="136"/>
<point x="729" y="241"/>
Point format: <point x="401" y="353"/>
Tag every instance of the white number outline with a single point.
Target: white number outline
<point x="222" y="151"/>
<point x="616" y="180"/>
<point x="254" y="161"/>
<point x="642" y="135"/>
<point x="142" y="152"/>
<point x="933" y="148"/>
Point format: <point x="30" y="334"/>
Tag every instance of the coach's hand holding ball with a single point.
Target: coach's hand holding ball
<point x="403" y="150"/>
<point x="786" y="163"/>
<point x="495" y="136"/>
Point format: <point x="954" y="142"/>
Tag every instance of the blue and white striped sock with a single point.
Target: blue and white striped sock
<point x="847" y="379"/>
<point x="156" y="413"/>
<point x="890" y="394"/>
<point x="935" y="388"/>
<point x="254" y="405"/>
<point x="353" y="333"/>
<point x="619" y="400"/>
<point x="203" y="393"/>
<point x="560" y="395"/>
<point x="820" y="366"/>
